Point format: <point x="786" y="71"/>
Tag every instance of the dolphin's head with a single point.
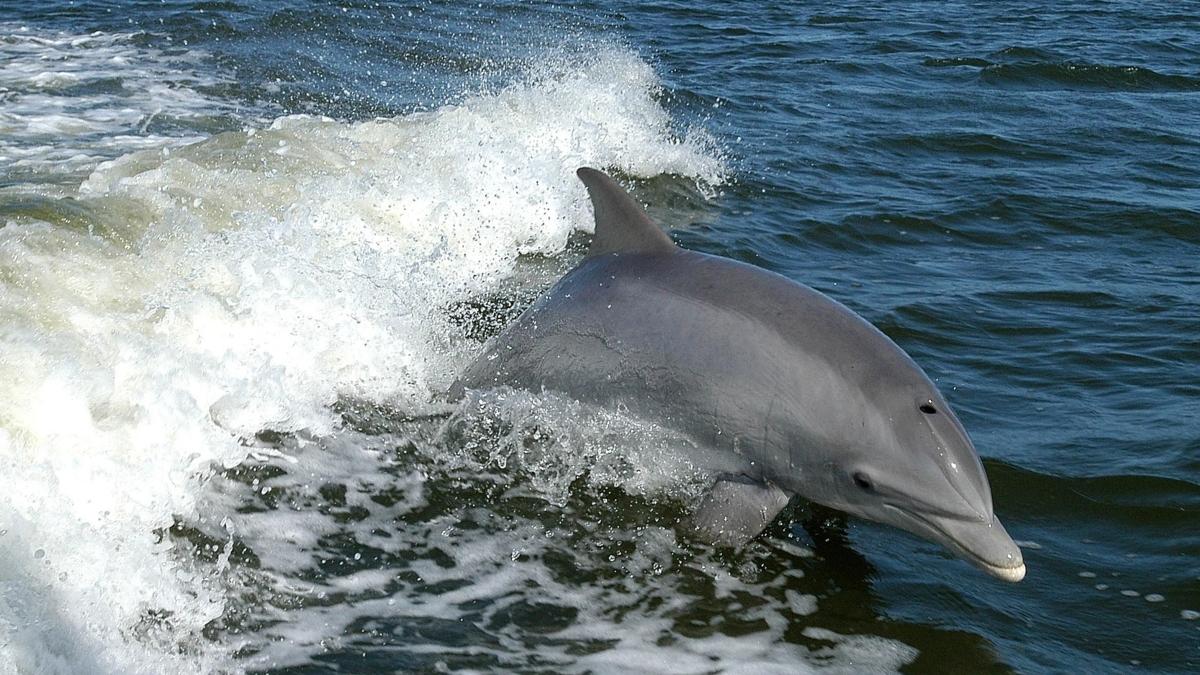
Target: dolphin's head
<point x="906" y="461"/>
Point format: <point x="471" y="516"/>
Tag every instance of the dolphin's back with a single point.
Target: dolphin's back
<point x="714" y="348"/>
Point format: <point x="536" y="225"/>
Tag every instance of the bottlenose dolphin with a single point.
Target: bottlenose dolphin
<point x="784" y="391"/>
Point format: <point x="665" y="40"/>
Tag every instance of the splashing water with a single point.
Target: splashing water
<point x="185" y="299"/>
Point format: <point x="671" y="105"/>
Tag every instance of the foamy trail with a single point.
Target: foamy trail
<point x="202" y="294"/>
<point x="68" y="102"/>
<point x="423" y="559"/>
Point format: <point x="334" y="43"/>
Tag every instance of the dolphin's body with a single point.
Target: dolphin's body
<point x="785" y="391"/>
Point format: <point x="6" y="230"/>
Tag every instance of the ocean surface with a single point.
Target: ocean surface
<point x="245" y="246"/>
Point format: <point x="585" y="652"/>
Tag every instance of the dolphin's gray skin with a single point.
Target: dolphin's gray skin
<point x="785" y="391"/>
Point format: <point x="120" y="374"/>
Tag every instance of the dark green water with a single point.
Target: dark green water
<point x="1010" y="191"/>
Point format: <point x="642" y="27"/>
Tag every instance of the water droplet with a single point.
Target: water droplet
<point x="39" y="554"/>
<point x="1088" y="575"/>
<point x="1129" y="593"/>
<point x="1154" y="597"/>
<point x="1189" y="615"/>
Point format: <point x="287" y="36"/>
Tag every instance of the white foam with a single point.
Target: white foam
<point x="68" y="102"/>
<point x="482" y="573"/>
<point x="861" y="653"/>
<point x="243" y="283"/>
<point x="801" y="603"/>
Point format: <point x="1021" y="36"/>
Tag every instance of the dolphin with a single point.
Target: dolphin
<point x="784" y="391"/>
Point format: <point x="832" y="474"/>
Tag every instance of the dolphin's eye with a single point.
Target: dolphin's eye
<point x="928" y="408"/>
<point x="863" y="481"/>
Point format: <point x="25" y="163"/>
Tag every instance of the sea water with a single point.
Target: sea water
<point x="247" y="246"/>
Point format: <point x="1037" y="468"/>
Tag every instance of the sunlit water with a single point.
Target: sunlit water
<point x="246" y="247"/>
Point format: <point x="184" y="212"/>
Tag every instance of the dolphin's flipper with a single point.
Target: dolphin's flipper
<point x="622" y="226"/>
<point x="736" y="509"/>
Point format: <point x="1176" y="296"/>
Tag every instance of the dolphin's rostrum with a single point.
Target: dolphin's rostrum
<point x="785" y="391"/>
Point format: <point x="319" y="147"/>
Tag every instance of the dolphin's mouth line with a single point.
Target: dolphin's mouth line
<point x="1006" y="572"/>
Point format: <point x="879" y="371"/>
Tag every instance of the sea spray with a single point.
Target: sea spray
<point x="249" y="282"/>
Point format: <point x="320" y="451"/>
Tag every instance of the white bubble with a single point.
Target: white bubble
<point x="801" y="603"/>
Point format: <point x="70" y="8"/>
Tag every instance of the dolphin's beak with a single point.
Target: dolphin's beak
<point x="985" y="544"/>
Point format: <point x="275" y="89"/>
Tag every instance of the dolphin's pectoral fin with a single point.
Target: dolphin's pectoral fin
<point x="622" y="226"/>
<point x="736" y="509"/>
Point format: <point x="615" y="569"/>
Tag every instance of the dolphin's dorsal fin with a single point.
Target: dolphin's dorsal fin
<point x="621" y="224"/>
